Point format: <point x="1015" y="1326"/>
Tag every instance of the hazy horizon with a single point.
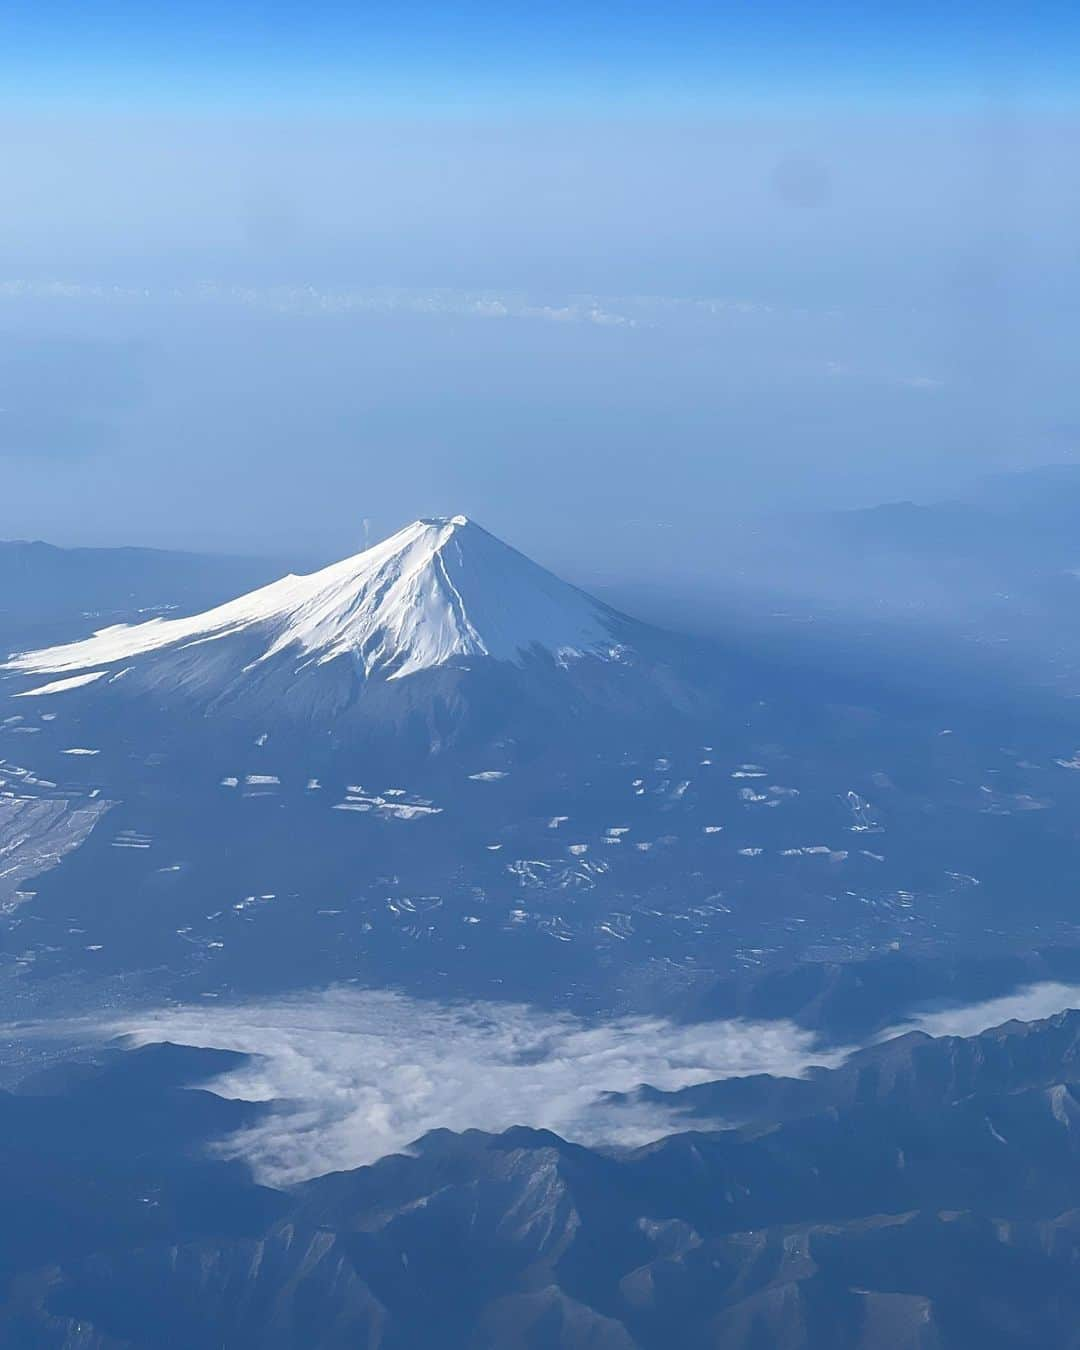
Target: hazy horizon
<point x="597" y="286"/>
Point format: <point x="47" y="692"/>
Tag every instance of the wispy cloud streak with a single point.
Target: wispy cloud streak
<point x="1029" y="1004"/>
<point x="381" y="302"/>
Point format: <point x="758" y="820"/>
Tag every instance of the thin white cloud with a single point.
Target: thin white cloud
<point x="920" y="382"/>
<point x="1030" y="1004"/>
<point x="844" y="370"/>
<point x="311" y="300"/>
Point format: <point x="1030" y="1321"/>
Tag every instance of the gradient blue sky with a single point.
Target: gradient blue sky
<point x="514" y="55"/>
<point x="593" y="271"/>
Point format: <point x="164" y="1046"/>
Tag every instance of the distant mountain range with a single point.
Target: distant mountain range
<point x="989" y="579"/>
<point x="40" y="582"/>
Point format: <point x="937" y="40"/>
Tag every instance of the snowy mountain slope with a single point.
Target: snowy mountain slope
<point x="436" y="593"/>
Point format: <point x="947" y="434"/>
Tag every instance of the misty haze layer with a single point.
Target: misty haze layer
<point x="599" y="337"/>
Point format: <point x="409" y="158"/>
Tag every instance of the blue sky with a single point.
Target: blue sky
<point x="270" y="271"/>
<point x="515" y="56"/>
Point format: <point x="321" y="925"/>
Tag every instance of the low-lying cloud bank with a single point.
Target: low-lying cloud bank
<point x="362" y="1074"/>
<point x="369" y="1072"/>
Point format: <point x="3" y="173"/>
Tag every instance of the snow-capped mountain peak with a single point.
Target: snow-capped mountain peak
<point x="436" y="592"/>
